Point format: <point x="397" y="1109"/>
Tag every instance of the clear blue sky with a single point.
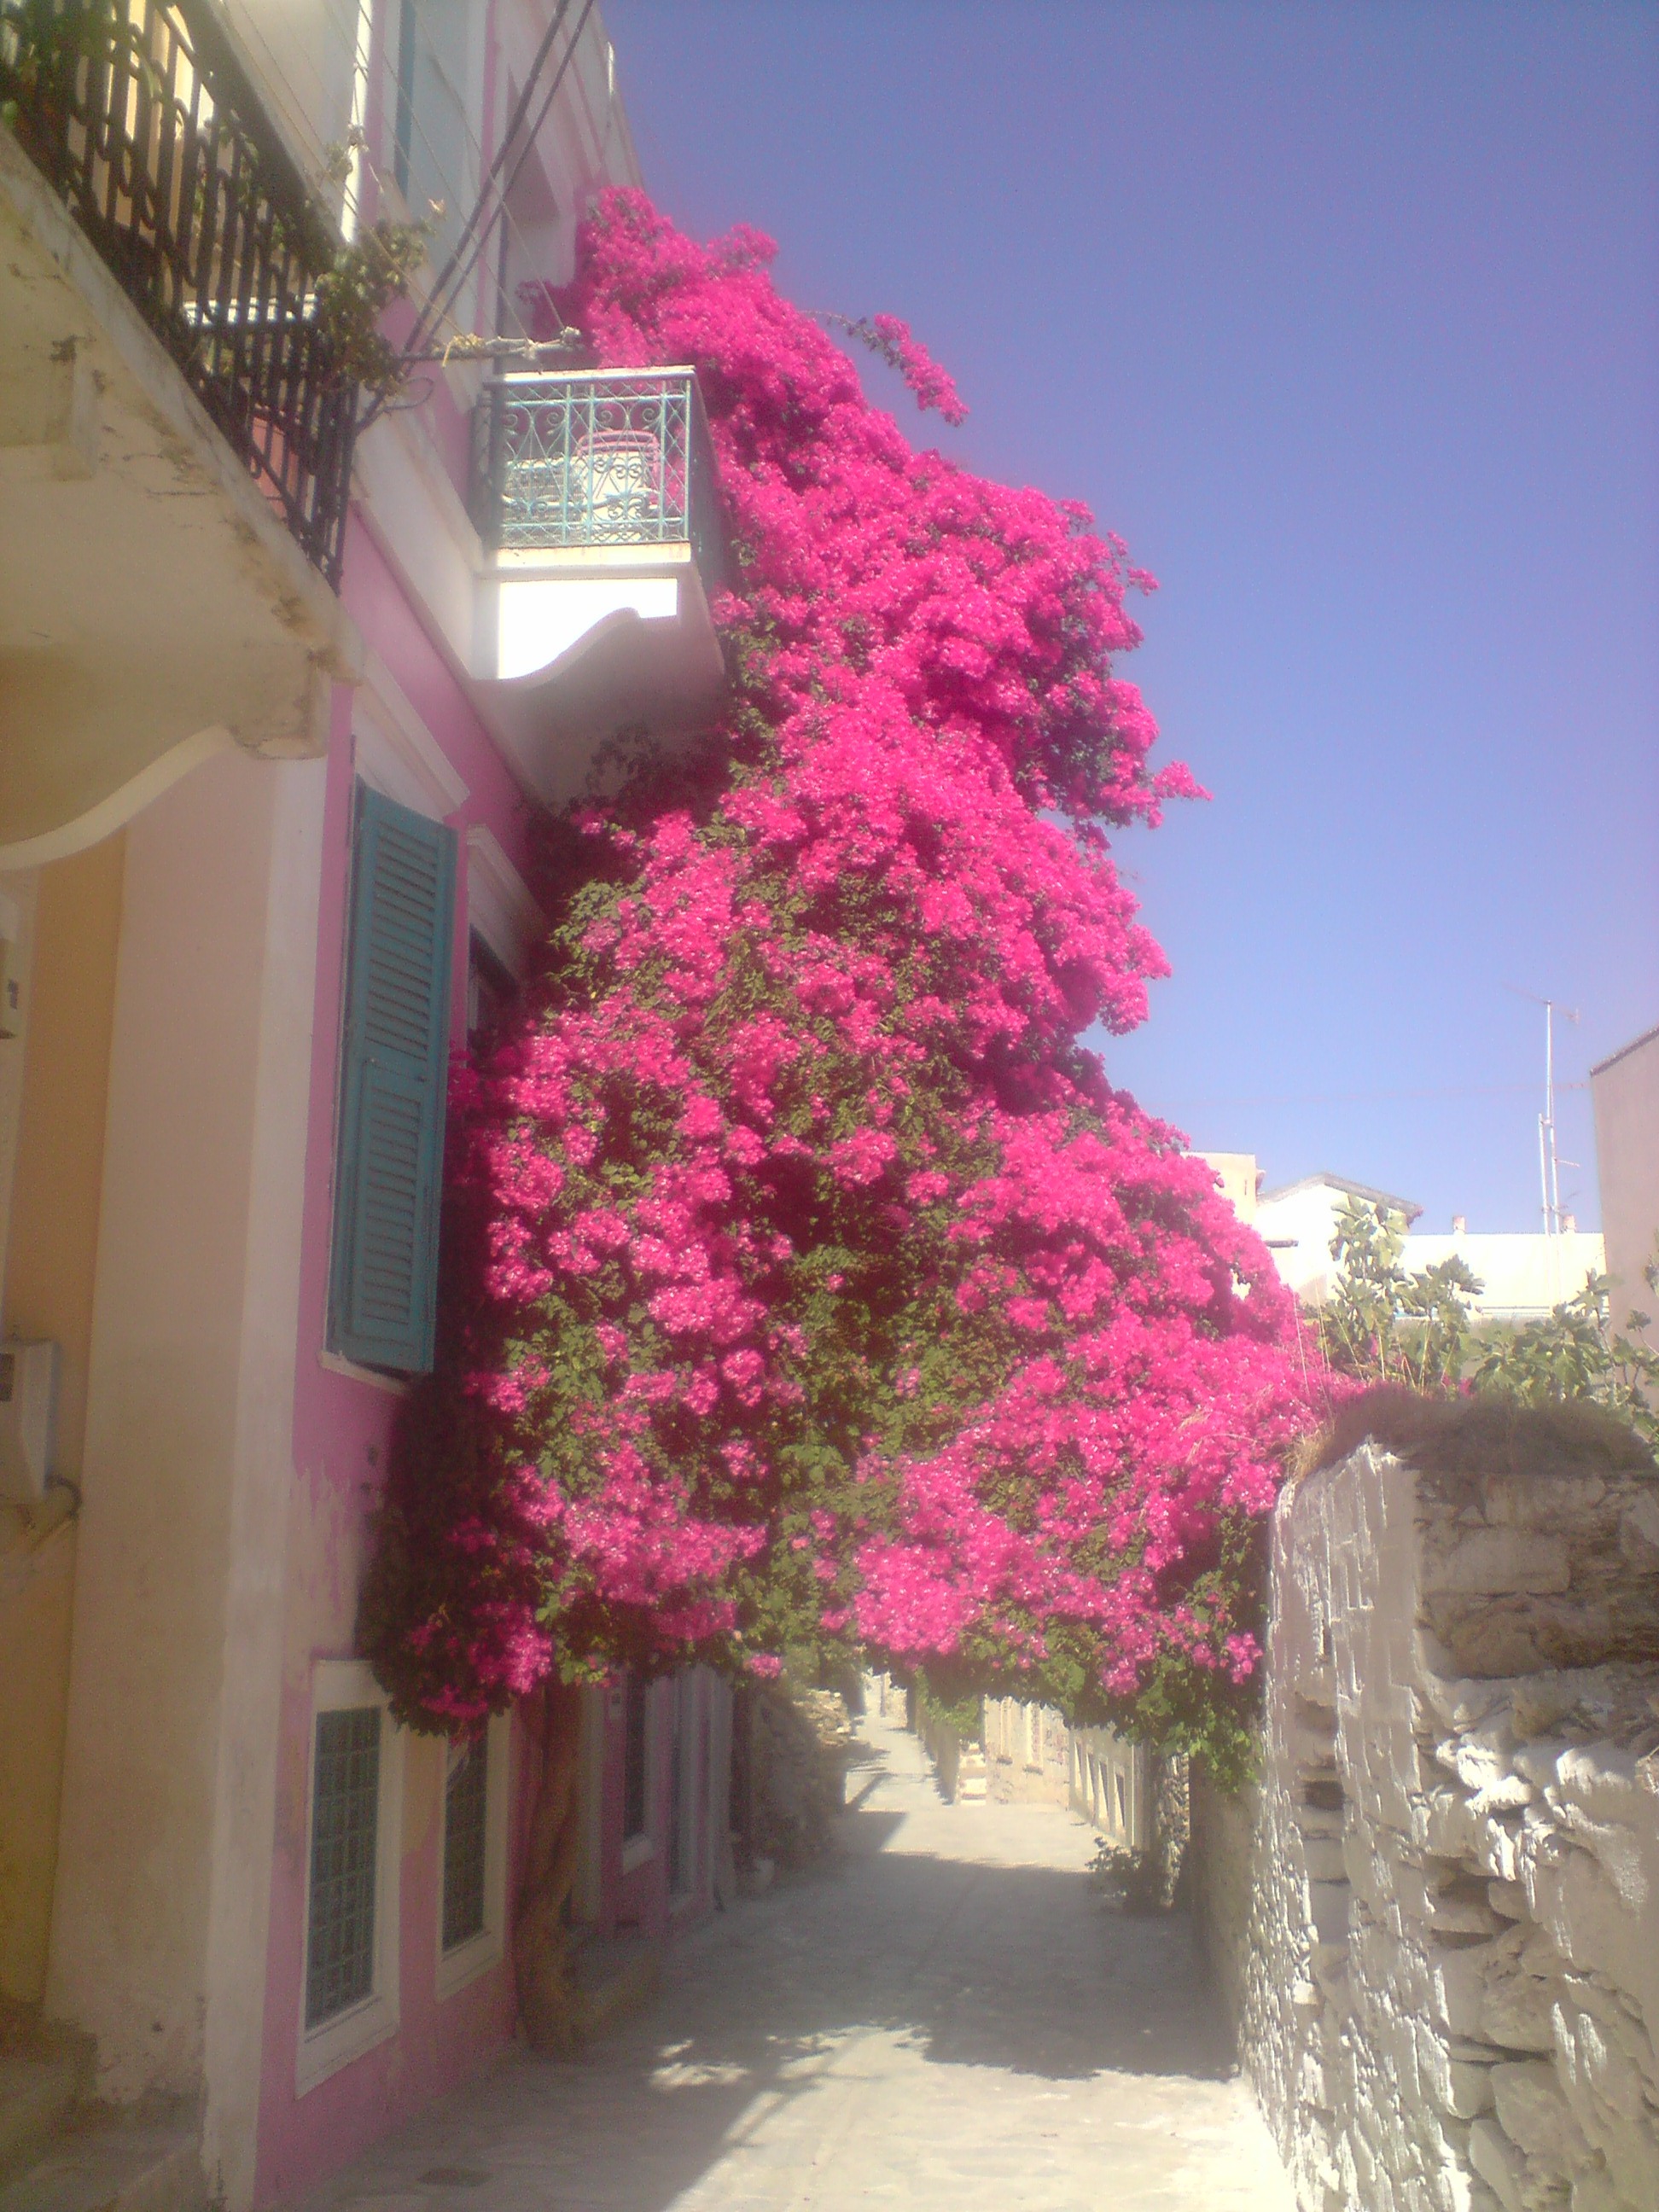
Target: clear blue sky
<point x="1346" y="317"/>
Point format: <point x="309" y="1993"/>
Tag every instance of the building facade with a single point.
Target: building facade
<point x="281" y="690"/>
<point x="1034" y="1756"/>
<point x="1625" y="1092"/>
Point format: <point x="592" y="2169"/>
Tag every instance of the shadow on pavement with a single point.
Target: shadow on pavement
<point x="1017" y="1968"/>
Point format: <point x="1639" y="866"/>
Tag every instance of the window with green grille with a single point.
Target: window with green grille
<point x="467" y="1806"/>
<point x="345" y="1809"/>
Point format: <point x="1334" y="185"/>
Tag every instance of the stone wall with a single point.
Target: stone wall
<point x="1435" y="1921"/>
<point x="790" y="1747"/>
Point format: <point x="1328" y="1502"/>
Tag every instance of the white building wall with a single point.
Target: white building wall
<point x="1521" y="1275"/>
<point x="1296" y="1225"/>
<point x="1033" y="1754"/>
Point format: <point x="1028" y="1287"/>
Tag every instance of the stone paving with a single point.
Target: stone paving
<point x="946" y="2017"/>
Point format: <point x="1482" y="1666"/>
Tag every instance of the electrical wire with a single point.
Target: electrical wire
<point x="1357" y="1097"/>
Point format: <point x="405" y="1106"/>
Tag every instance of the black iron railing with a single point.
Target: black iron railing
<point x="597" y="457"/>
<point x="138" y="113"/>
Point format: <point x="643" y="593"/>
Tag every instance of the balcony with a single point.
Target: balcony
<point x="175" y="434"/>
<point x="594" y="499"/>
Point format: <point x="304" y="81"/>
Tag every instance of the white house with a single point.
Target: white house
<point x="1521" y="1274"/>
<point x="1298" y="1221"/>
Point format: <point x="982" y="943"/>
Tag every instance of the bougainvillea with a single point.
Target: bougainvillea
<point x="805" y="1280"/>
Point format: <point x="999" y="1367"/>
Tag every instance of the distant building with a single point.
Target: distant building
<point x="1240" y="1179"/>
<point x="1521" y="1275"/>
<point x="1624" y="1089"/>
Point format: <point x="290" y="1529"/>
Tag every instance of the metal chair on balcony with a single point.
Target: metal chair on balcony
<point x="606" y="490"/>
<point x="617" y="486"/>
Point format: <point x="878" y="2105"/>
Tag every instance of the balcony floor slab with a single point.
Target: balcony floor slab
<point x="153" y="605"/>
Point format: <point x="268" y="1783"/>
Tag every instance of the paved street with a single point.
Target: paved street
<point x="947" y="2016"/>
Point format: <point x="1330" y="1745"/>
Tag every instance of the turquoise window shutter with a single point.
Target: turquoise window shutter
<point x="394" y="1072"/>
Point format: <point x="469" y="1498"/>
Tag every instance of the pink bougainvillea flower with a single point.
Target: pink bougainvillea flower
<point x="805" y="1279"/>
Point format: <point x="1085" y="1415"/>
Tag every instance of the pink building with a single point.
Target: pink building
<point x="279" y="696"/>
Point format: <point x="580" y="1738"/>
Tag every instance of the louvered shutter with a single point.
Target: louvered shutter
<point x="393" y="1074"/>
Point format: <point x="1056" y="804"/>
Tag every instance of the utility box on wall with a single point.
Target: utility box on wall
<point x="29" y="1420"/>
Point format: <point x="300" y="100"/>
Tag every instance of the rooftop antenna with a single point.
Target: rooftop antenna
<point x="1550" y="1162"/>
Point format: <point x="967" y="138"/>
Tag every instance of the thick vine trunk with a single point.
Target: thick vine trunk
<point x="1172" y="1826"/>
<point x="549" y="2003"/>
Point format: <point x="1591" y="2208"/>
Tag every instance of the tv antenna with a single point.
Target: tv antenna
<point x="1550" y="1163"/>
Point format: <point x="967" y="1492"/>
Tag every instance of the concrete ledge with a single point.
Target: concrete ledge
<point x="109" y="2164"/>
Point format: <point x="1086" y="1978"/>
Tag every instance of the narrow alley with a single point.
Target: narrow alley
<point x="946" y="2014"/>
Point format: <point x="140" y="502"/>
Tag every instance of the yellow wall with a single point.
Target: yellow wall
<point x="49" y="1260"/>
<point x="1236" y="1174"/>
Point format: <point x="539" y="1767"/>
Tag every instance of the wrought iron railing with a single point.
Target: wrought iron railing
<point x="597" y="457"/>
<point x="138" y="113"/>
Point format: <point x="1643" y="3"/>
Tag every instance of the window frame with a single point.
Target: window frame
<point x="464" y="1962"/>
<point x="345" y="1685"/>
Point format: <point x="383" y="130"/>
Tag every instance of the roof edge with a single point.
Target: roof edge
<point x="1389" y="1199"/>
<point x="1600" y="1066"/>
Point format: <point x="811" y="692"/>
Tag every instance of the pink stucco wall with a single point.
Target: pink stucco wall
<point x="342" y="1431"/>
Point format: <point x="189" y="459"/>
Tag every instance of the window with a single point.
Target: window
<point x="466" y="1801"/>
<point x="350" y="1996"/>
<point x="528" y="239"/>
<point x="431" y="157"/>
<point x="472" y="1893"/>
<point x="394" y="1065"/>
<point x="345" y="1812"/>
<point x="636" y="1774"/>
<point x="490" y="990"/>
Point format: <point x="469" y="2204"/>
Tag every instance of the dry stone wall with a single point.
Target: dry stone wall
<point x="1436" y="1920"/>
<point x="789" y="1756"/>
